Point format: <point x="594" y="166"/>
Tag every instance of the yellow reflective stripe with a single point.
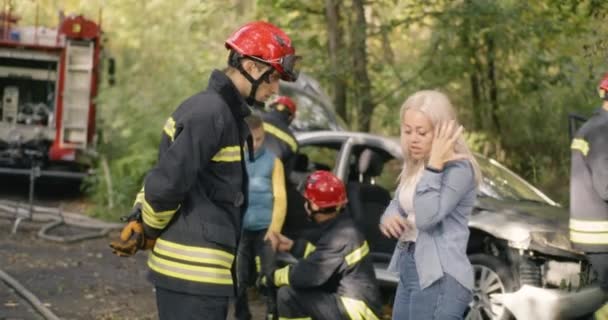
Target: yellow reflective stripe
<point x="310" y="248"/>
<point x="228" y="154"/>
<point x="357" y="309"/>
<point x="602" y="313"/>
<point x="194" y="254"/>
<point x="258" y="264"/>
<point x="580" y="145"/>
<point x="286" y="318"/>
<point x="189" y="272"/>
<point x="357" y="255"/>
<point x="281" y="277"/>
<point x="169" y="128"/>
<point x="281" y="135"/>
<point x="139" y="198"/>
<point x="589" y="238"/>
<point x="155" y="219"/>
<point x="589" y="225"/>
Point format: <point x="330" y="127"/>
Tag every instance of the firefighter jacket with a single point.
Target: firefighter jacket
<point x="194" y="198"/>
<point x="337" y="262"/>
<point x="589" y="185"/>
<point x="279" y="138"/>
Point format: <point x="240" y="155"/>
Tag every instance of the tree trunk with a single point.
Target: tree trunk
<point x="335" y="46"/>
<point x="493" y="88"/>
<point x="363" y="86"/>
<point x="473" y="67"/>
<point x="243" y="6"/>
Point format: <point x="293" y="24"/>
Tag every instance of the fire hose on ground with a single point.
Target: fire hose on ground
<point x="54" y="217"/>
<point x="27" y="295"/>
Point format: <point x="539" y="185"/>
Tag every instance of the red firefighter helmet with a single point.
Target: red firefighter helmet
<point x="603" y="87"/>
<point x="284" y="101"/>
<point x="325" y="190"/>
<point x="265" y="42"/>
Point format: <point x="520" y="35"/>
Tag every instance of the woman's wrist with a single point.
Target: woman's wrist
<point x="434" y="165"/>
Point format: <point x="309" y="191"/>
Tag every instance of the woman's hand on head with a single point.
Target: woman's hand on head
<point x="393" y="226"/>
<point x="444" y="140"/>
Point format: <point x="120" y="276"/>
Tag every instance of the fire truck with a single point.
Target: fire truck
<point x="48" y="82"/>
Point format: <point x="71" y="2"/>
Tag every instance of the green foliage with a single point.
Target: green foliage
<point x="514" y="69"/>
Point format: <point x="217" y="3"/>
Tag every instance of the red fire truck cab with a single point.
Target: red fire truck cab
<point x="48" y="82"/>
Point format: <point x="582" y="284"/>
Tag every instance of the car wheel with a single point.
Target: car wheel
<point x="492" y="276"/>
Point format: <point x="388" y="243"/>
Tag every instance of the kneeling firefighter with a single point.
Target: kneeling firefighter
<point x="334" y="277"/>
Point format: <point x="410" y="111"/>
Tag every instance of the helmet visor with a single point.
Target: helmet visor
<point x="291" y="67"/>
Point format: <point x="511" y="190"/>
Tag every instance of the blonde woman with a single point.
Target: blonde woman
<point x="430" y="212"/>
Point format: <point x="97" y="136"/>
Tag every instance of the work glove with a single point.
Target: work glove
<point x="268" y="264"/>
<point x="132" y="238"/>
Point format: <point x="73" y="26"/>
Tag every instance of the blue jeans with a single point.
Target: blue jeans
<point x="446" y="298"/>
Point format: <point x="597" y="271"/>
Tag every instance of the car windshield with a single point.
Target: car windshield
<point x="312" y="113"/>
<point x="501" y="183"/>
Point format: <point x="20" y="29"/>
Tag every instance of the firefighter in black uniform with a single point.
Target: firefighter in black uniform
<point x="334" y="277"/>
<point x="190" y="209"/>
<point x="279" y="138"/>
<point x="589" y="189"/>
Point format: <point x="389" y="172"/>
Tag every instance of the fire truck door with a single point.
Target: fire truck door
<point x="76" y="94"/>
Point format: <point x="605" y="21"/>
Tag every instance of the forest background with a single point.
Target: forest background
<point x="514" y="69"/>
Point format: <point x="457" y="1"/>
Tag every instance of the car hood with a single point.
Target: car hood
<point x="524" y="224"/>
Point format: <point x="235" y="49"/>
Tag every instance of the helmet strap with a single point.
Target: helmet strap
<point x="328" y="210"/>
<point x="234" y="60"/>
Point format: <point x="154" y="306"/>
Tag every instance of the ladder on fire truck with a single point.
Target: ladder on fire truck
<point x="76" y="94"/>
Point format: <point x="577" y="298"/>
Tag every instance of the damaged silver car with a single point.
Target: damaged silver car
<point x="519" y="236"/>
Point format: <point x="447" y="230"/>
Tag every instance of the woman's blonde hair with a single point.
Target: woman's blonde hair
<point x="438" y="108"/>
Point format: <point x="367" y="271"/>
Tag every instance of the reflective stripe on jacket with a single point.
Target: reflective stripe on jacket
<point x="194" y="197"/>
<point x="338" y="262"/>
<point x="589" y="185"/>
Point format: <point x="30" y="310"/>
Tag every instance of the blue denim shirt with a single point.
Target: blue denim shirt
<point x="443" y="203"/>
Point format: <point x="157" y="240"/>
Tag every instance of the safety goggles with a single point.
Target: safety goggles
<point x="291" y="67"/>
<point x="288" y="63"/>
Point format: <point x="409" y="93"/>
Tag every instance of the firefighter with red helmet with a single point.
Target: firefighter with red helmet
<point x="589" y="189"/>
<point x="190" y="209"/>
<point x="279" y="138"/>
<point x="334" y="277"/>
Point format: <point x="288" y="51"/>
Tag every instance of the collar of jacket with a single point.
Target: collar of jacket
<point x="220" y="83"/>
<point x="601" y="112"/>
<point x="281" y="117"/>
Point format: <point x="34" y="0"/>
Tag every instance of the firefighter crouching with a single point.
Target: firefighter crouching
<point x="194" y="198"/>
<point x="334" y="277"/>
<point x="589" y="191"/>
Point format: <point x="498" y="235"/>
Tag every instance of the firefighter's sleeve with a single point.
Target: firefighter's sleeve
<point x="302" y="248"/>
<point x="313" y="271"/>
<point x="193" y="142"/>
<point x="279" y="204"/>
<point x="598" y="163"/>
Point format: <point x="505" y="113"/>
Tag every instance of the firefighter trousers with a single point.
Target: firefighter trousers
<point x="174" y="305"/>
<point x="309" y="304"/>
